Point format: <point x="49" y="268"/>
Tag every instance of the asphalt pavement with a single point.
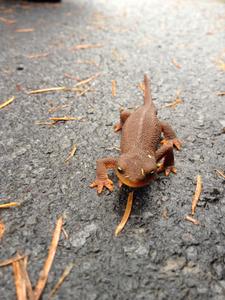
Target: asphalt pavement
<point x="159" y="255"/>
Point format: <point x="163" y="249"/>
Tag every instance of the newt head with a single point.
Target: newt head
<point x="136" y="170"/>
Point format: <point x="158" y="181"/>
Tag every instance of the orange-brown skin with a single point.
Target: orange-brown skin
<point x="140" y="148"/>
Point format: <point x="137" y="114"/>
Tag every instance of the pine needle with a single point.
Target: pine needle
<point x="19" y="281"/>
<point x="71" y="154"/>
<point x="9" y="261"/>
<point x="86" y="46"/>
<point x="10" y="204"/>
<point x="221" y="94"/>
<point x="113" y="88"/>
<point x="43" y="277"/>
<point x="220" y="173"/>
<point x="126" y="215"/>
<point x="2" y="229"/>
<point x="52" y="89"/>
<point x="66" y="273"/>
<point x="197" y="194"/>
<point x="7" y="102"/>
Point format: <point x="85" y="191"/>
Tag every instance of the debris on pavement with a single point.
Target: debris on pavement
<point x="197" y="194"/>
<point x="177" y="101"/>
<point x="220" y="173"/>
<point x="126" y="215"/>
<point x="192" y="220"/>
<point x="71" y="154"/>
<point x="221" y="94"/>
<point x="113" y="88"/>
<point x="175" y="63"/>
<point x="24" y="30"/>
<point x="86" y="46"/>
<point x="2" y="229"/>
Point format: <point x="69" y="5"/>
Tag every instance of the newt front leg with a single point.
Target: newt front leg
<point x="102" y="180"/>
<point x="166" y="152"/>
<point x="170" y="136"/>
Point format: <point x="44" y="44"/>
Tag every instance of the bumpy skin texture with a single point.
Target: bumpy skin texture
<point x="141" y="148"/>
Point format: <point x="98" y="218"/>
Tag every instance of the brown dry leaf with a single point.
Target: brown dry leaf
<point x="197" y="194"/>
<point x="113" y="88"/>
<point x="43" y="277"/>
<point x="65" y="273"/>
<point x="86" y="46"/>
<point x="175" y="63"/>
<point x="71" y="154"/>
<point x="24" y="30"/>
<point x="7" y="21"/>
<point x="10" y="204"/>
<point x="220" y="173"/>
<point x="7" y="102"/>
<point x="192" y="220"/>
<point x="2" y="229"/>
<point x="126" y="215"/>
<point x="20" y="283"/>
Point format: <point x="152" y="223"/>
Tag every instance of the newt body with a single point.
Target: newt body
<point x="140" y="146"/>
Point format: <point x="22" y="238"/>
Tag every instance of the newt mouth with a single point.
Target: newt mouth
<point x="134" y="184"/>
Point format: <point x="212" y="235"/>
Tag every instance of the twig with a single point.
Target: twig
<point x="197" y="194"/>
<point x="19" y="281"/>
<point x="65" y="273"/>
<point x="86" y="46"/>
<point x="10" y="204"/>
<point x="48" y="263"/>
<point x="71" y="154"/>
<point x="7" y="102"/>
<point x="113" y="88"/>
<point x="9" y="261"/>
<point x="220" y="173"/>
<point x="126" y="215"/>
<point x="192" y="220"/>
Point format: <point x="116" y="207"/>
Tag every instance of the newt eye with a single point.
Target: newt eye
<point x="120" y="170"/>
<point x="152" y="172"/>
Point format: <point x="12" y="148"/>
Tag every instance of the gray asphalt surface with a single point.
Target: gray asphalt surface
<point x="154" y="257"/>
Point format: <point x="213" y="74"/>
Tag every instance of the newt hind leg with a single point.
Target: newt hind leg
<point x="124" y="114"/>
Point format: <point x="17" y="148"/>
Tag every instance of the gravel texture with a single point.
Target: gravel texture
<point x="181" y="45"/>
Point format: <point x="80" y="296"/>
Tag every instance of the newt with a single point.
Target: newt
<point x="141" y="147"/>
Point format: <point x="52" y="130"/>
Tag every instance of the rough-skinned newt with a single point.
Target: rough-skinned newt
<point x="141" y="147"/>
